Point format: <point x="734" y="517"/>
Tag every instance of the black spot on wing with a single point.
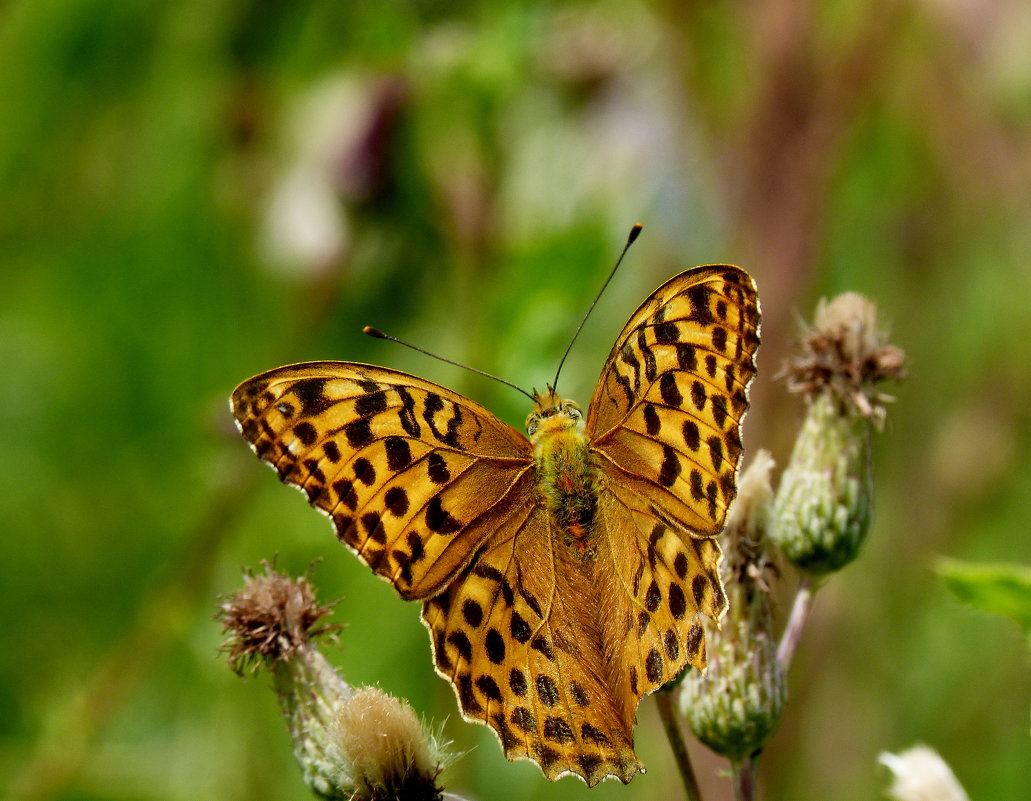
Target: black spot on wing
<point x="437" y="468"/>
<point x="629" y="358"/>
<point x="332" y="451"/>
<point x="652" y="424"/>
<point x="719" y="338"/>
<point x="669" y="390"/>
<point x="687" y="359"/>
<point x="311" y="392"/>
<point x="358" y="433"/>
<point x="653" y="666"/>
<point x="667" y="333"/>
<point x="486" y="685"/>
<point x="520" y="628"/>
<point x="439" y="519"/>
<point x="698" y="296"/>
<point x="305" y="432"/>
<point x="472" y="612"/>
<point x="670" y="467"/>
<point x="650" y="366"/>
<point x="370" y="404"/>
<point x="364" y="471"/>
<point x="494" y="644"/>
<point x="407" y="413"/>
<point x="399" y="453"/>
<point x="517" y="682"/>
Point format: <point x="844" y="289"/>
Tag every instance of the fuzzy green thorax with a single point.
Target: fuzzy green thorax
<point x="567" y="477"/>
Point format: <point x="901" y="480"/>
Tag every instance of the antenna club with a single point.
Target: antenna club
<point x="374" y="332"/>
<point x="634" y="233"/>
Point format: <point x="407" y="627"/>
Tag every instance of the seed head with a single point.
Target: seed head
<point x="358" y="745"/>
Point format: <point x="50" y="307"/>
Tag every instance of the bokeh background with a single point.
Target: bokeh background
<point x="194" y="192"/>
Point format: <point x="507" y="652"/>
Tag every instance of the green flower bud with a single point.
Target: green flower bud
<point x="735" y="705"/>
<point x="824" y="503"/>
<point x="823" y="507"/>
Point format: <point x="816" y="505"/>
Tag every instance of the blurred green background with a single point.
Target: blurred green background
<point x="194" y="192"/>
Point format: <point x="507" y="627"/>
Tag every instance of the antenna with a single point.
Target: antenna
<point x="375" y="332"/>
<point x="634" y="233"/>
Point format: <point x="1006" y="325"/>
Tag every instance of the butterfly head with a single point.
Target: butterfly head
<point x="553" y="415"/>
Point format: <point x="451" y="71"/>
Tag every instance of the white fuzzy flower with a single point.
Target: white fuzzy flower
<point x="922" y="775"/>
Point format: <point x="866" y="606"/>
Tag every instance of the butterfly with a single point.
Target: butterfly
<point x="563" y="574"/>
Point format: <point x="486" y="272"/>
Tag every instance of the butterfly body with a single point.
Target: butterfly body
<point x="562" y="576"/>
<point x="567" y="474"/>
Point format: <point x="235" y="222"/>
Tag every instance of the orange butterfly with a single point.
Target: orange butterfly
<point x="563" y="576"/>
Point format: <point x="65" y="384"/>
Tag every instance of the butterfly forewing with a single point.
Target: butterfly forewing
<point x="406" y="469"/>
<point x="666" y="414"/>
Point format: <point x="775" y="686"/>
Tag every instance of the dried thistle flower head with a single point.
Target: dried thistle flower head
<point x="735" y="706"/>
<point x="825" y="499"/>
<point x="386" y="752"/>
<point x="356" y="745"/>
<point x="844" y="353"/>
<point x="269" y="619"/>
<point x="922" y="775"/>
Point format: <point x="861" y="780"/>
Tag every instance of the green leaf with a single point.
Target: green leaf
<point x="1001" y="589"/>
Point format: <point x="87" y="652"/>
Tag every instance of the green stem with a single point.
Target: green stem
<point x="676" y="741"/>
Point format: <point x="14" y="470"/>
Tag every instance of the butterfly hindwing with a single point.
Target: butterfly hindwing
<point x="667" y="580"/>
<point x="406" y="469"/>
<point x="519" y="637"/>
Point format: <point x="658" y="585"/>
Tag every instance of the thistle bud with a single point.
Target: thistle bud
<point x="351" y="744"/>
<point x="734" y="707"/>
<point x="823" y="507"/>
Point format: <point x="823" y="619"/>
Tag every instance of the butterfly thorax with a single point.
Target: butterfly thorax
<point x="567" y="477"/>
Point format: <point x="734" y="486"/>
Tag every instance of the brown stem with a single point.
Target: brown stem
<point x="796" y="623"/>
<point x="678" y="744"/>
<point x="744" y="778"/>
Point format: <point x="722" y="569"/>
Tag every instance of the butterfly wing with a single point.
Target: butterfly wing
<point x="665" y="427"/>
<point x="407" y="470"/>
<point x="518" y="636"/>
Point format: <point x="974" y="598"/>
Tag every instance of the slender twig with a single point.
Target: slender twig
<point x="796" y="623"/>
<point x="744" y="778"/>
<point x="677" y="743"/>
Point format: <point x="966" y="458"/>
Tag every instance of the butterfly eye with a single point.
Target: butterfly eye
<point x="571" y="410"/>
<point x="532" y="425"/>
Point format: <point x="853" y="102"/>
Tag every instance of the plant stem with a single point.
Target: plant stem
<point x="744" y="778"/>
<point x="796" y="623"/>
<point x="676" y="741"/>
